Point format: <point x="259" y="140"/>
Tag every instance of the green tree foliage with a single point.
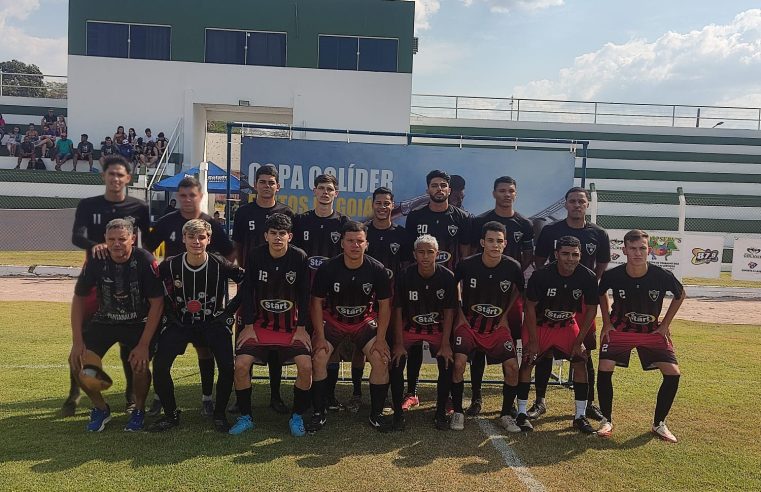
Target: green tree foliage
<point x="20" y="79"/>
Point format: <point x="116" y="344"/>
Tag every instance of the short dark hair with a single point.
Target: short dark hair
<point x="189" y="182"/>
<point x="437" y="173"/>
<point x="147" y="130"/>
<point x="577" y="189"/>
<point x="635" y="235"/>
<point x="116" y="160"/>
<point x="505" y="180"/>
<point x="495" y="226"/>
<point x="382" y="191"/>
<point x="85" y="135"/>
<point x="457" y="183"/>
<point x="267" y="170"/>
<point x="353" y="226"/>
<point x="278" y="222"/>
<point x="325" y="178"/>
<point x="570" y="241"/>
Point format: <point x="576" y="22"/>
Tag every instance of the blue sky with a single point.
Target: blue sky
<point x="676" y="51"/>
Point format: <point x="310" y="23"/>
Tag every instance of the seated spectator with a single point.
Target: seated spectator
<point x="170" y="208"/>
<point x="161" y="143"/>
<point x="132" y="137"/>
<point x="150" y="155"/>
<point x="13" y="140"/>
<point x="60" y="126"/>
<point x="26" y="151"/>
<point x="147" y="137"/>
<point x="64" y="151"/>
<point x="50" y="118"/>
<point x="126" y="149"/>
<point x="83" y="151"/>
<point x="106" y="149"/>
<point x="218" y="218"/>
<point x="119" y="136"/>
<point x="47" y="140"/>
<point x="33" y="134"/>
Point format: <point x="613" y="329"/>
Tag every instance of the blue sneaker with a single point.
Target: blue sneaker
<point x="98" y="419"/>
<point x="297" y="426"/>
<point x="241" y="425"/>
<point x="136" y="421"/>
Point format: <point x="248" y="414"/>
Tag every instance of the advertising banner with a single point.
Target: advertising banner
<point x="701" y="255"/>
<point x="746" y="259"/>
<point x="665" y="249"/>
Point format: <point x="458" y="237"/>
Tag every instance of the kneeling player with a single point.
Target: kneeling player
<point x="491" y="282"/>
<point x="638" y="291"/>
<point x="348" y="285"/>
<point x="195" y="283"/>
<point x="275" y="306"/>
<point x="425" y="298"/>
<point x="554" y="294"/>
<point x="130" y="301"/>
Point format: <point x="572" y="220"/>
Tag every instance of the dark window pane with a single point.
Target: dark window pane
<point x="338" y="53"/>
<point x="105" y="39"/>
<point x="149" y="42"/>
<point x="377" y="55"/>
<point x="225" y="47"/>
<point x="266" y="48"/>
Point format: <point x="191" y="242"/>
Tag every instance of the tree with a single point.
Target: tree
<point x="28" y="84"/>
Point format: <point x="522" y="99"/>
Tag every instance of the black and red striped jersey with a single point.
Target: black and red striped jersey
<point x="248" y="227"/>
<point x="520" y="233"/>
<point x="595" y="243"/>
<point x="559" y="298"/>
<point x="392" y="247"/>
<point x="423" y="300"/>
<point x="168" y="230"/>
<point x="319" y="237"/>
<point x="451" y="228"/>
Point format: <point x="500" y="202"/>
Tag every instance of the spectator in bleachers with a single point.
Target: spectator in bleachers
<point x="26" y="151"/>
<point x="47" y="141"/>
<point x="148" y="137"/>
<point x="33" y="134"/>
<point x="2" y="127"/>
<point x="150" y="155"/>
<point x="161" y="143"/>
<point x="83" y="151"/>
<point x="119" y="136"/>
<point x="60" y="126"/>
<point x="132" y="137"/>
<point x="13" y="141"/>
<point x="126" y="149"/>
<point x="107" y="148"/>
<point x="50" y="118"/>
<point x="170" y="208"/>
<point x="64" y="150"/>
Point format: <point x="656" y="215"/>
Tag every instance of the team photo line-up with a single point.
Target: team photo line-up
<point x="316" y="288"/>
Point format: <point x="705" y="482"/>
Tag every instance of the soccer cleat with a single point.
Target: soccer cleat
<point x="317" y="423"/>
<point x="663" y="432"/>
<point x="508" y="423"/>
<point x="129" y="407"/>
<point x="457" y="423"/>
<point x="166" y="422"/>
<point x="583" y="425"/>
<point x="98" y="419"/>
<point x="241" y="425"/>
<point x="207" y="408"/>
<point x="410" y="401"/>
<point x="155" y="408"/>
<point x="441" y="422"/>
<point x="594" y="412"/>
<point x="606" y="429"/>
<point x="332" y="404"/>
<point x="221" y="424"/>
<point x="279" y="406"/>
<point x="523" y="422"/>
<point x="380" y="423"/>
<point x="296" y="424"/>
<point x="136" y="421"/>
<point x="354" y="404"/>
<point x="474" y="408"/>
<point x="400" y="423"/>
<point x="538" y="409"/>
<point x="69" y="407"/>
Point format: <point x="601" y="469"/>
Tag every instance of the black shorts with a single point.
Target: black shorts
<point x="174" y="337"/>
<point x="99" y="337"/>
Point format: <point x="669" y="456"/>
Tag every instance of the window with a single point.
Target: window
<point x="225" y="46"/>
<point x="266" y="48"/>
<point x="246" y="47"/>
<point x="355" y="53"/>
<point x="136" y="41"/>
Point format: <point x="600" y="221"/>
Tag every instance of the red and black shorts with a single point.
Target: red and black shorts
<point x="359" y="334"/>
<point x="497" y="345"/>
<point x="557" y="341"/>
<point x="651" y="348"/>
<point x="99" y="337"/>
<point x="269" y="340"/>
<point x="515" y="318"/>
<point x="410" y="339"/>
<point x="590" y="340"/>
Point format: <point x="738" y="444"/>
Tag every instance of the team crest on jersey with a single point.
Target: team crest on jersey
<point x="394" y="248"/>
<point x="508" y="345"/>
<point x="517" y="235"/>
<point x="367" y="288"/>
<point x="178" y="283"/>
<point x="290" y="277"/>
<point x="654" y="294"/>
<point x="505" y="285"/>
<point x="335" y="236"/>
<point x="591" y="248"/>
<point x="576" y="293"/>
<point x="440" y="293"/>
<point x="390" y="273"/>
<point x="452" y="230"/>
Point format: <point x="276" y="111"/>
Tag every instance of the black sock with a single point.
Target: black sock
<point x="414" y="363"/>
<point x="244" y="401"/>
<point x="356" y="380"/>
<point x="543" y="371"/>
<point x="444" y="386"/>
<point x="477" y="368"/>
<point x="605" y="392"/>
<point x="275" y="368"/>
<point x="457" y="390"/>
<point x="580" y="391"/>
<point x="523" y="389"/>
<point x="300" y="400"/>
<point x="666" y="395"/>
<point x="318" y="396"/>
<point x="206" y="368"/>
<point x="74" y="390"/>
<point x="590" y="379"/>
<point x="396" y="378"/>
<point x="124" y="356"/>
<point x="508" y="398"/>
<point x="378" y="394"/>
<point x="332" y="380"/>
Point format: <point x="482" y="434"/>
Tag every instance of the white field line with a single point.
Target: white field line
<point x="511" y="459"/>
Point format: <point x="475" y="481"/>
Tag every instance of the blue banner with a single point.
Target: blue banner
<point x="543" y="176"/>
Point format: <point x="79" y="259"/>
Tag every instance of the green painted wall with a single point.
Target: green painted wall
<point x="302" y="20"/>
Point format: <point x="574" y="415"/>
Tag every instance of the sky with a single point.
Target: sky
<point x="649" y="51"/>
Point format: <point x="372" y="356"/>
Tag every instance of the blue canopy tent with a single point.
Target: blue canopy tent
<point x="217" y="180"/>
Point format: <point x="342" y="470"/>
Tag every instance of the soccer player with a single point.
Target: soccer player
<point x="490" y="285"/>
<point x="425" y="299"/>
<point x="519" y="245"/>
<point x="275" y="308"/>
<point x="451" y="228"/>
<point x="89" y="233"/>
<point x="344" y="293"/>
<point x="554" y="296"/>
<point x="638" y="291"/>
<point x="248" y="233"/>
<point x="195" y="284"/>
<point x="168" y="230"/>
<point x="130" y="302"/>
<point x="595" y="255"/>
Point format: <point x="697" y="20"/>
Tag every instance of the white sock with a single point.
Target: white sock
<point x="581" y="408"/>
<point x="522" y="406"/>
<point x="206" y="398"/>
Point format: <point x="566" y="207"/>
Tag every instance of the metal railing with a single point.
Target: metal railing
<point x="33" y="85"/>
<point x="163" y="162"/>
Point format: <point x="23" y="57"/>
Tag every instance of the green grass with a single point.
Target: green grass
<point x="725" y="280"/>
<point x="49" y="258"/>
<point x="719" y="445"/>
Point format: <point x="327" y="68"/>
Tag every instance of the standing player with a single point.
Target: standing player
<point x="168" y="230"/>
<point x="345" y="291"/>
<point x="491" y="283"/>
<point x="130" y="302"/>
<point x="451" y="228"/>
<point x="554" y="296"/>
<point x="425" y="299"/>
<point x="595" y="255"/>
<point x="248" y="233"/>
<point x="195" y="284"/>
<point x="638" y="291"/>
<point x="275" y="308"/>
<point x="89" y="233"/>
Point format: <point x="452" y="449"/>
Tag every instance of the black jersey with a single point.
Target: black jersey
<point x="248" y="227"/>
<point x="451" y="228"/>
<point x="197" y="294"/>
<point x="319" y="237"/>
<point x="486" y="290"/>
<point x="423" y="300"/>
<point x="520" y="233"/>
<point x="94" y="213"/>
<point x="350" y="294"/>
<point x="122" y="289"/>
<point x="595" y="244"/>
<point x="392" y="247"/>
<point x="637" y="302"/>
<point x="278" y="297"/>
<point x="169" y="230"/>
<point x="559" y="298"/>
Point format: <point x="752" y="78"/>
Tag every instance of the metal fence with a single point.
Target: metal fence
<point x="33" y="85"/>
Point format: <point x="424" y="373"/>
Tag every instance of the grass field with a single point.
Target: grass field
<point x="719" y="449"/>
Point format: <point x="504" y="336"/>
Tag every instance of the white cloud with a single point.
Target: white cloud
<point x="504" y="6"/>
<point x="438" y="57"/>
<point x="50" y="54"/>
<point x="424" y="9"/>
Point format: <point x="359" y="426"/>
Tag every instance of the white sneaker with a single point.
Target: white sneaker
<point x="458" y="421"/>
<point x="663" y="432"/>
<point x="508" y="423"/>
<point x="605" y="430"/>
